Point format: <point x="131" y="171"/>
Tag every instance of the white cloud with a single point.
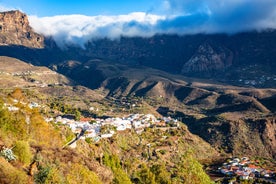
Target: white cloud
<point x="178" y="17"/>
<point x="79" y="28"/>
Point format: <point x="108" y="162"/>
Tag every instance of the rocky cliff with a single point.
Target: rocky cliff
<point x="15" y="30"/>
<point x="207" y="60"/>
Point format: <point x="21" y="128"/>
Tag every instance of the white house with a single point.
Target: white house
<point x="12" y="108"/>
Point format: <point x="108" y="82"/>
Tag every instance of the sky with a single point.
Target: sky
<point x="77" y="21"/>
<point x="84" y="7"/>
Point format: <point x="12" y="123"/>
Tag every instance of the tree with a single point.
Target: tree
<point x="43" y="133"/>
<point x="190" y="171"/>
<point x="42" y="175"/>
<point x="145" y="176"/>
<point x="18" y="94"/>
<point x="48" y="175"/>
<point x="113" y="162"/>
<point x="80" y="174"/>
<point x="77" y="114"/>
<point x="13" y="124"/>
<point x="22" y="151"/>
<point x="11" y="175"/>
<point x="162" y="176"/>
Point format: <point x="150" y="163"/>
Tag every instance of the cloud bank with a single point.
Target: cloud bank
<point x="78" y="29"/>
<point x="175" y="17"/>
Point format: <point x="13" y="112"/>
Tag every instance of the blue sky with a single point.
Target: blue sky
<point x="85" y="7"/>
<point x="76" y="21"/>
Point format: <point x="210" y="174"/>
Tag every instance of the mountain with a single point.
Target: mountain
<point x="15" y="30"/>
<point x="208" y="61"/>
<point x="221" y="86"/>
<point x="243" y="59"/>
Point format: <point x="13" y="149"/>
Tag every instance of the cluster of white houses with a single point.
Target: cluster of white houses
<point x="11" y="107"/>
<point x="245" y="169"/>
<point x="105" y="128"/>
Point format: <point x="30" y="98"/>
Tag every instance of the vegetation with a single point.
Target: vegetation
<point x="80" y="174"/>
<point x="113" y="162"/>
<point x="190" y="171"/>
<point x="125" y="158"/>
<point x="22" y="151"/>
<point x="60" y="105"/>
<point x="162" y="176"/>
<point x="235" y="120"/>
<point x="8" y="154"/>
<point x="10" y="174"/>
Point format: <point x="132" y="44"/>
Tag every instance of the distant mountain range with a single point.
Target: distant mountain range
<point x="227" y="57"/>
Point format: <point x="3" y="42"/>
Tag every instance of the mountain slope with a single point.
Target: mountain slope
<point x="225" y="116"/>
<point x="42" y="157"/>
<point x="146" y="70"/>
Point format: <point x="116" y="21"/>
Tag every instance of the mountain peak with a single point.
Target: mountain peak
<point x="208" y="60"/>
<point x="15" y="30"/>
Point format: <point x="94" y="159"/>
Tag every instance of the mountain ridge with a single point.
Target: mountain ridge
<point x="244" y="59"/>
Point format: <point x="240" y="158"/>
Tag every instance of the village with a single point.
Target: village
<point x="98" y="128"/>
<point x="241" y="169"/>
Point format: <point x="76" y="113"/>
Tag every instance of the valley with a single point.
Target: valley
<point x="220" y="89"/>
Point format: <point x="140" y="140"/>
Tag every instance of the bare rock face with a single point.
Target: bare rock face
<point x="207" y="60"/>
<point x="269" y="135"/>
<point x="15" y="30"/>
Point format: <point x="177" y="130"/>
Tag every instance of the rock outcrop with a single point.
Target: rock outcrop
<point x="207" y="60"/>
<point x="15" y="30"/>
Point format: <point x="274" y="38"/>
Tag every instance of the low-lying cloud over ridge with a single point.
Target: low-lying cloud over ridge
<point x="176" y="17"/>
<point x="79" y="28"/>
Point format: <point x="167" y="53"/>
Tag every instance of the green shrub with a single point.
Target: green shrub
<point x="42" y="175"/>
<point x="13" y="125"/>
<point x="145" y="176"/>
<point x="54" y="176"/>
<point x="80" y="174"/>
<point x="23" y="151"/>
<point x="88" y="140"/>
<point x="162" y="176"/>
<point x="11" y="175"/>
<point x="113" y="162"/>
<point x="190" y="171"/>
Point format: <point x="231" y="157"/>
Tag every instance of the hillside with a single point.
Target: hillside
<point x="219" y="88"/>
<point x="40" y="155"/>
<point x="210" y="109"/>
<point x="237" y="59"/>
